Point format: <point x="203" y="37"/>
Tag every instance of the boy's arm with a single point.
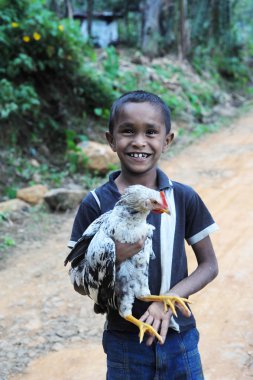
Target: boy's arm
<point x="205" y="272"/>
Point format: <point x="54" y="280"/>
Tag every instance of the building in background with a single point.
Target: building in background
<point x="104" y="28"/>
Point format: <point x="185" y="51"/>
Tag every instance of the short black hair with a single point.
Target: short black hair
<point x="139" y="96"/>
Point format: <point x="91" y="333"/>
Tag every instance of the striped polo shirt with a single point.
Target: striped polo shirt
<point x="189" y="221"/>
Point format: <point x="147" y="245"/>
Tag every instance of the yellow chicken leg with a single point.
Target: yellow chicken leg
<point x="143" y="327"/>
<point x="169" y="301"/>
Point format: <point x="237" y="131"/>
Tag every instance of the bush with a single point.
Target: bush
<point x="45" y="84"/>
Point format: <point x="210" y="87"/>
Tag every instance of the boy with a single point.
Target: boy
<point x="139" y="132"/>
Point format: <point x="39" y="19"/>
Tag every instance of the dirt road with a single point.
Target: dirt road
<point x="48" y="332"/>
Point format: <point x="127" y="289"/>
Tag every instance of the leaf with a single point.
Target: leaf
<point x="98" y="111"/>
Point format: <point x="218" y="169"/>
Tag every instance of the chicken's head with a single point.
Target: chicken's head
<point x="143" y="199"/>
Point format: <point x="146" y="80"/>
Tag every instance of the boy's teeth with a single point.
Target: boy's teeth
<point x="138" y="155"/>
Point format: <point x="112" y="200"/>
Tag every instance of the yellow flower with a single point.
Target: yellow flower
<point x="61" y="28"/>
<point x="69" y="57"/>
<point x="14" y="24"/>
<point x="26" y="39"/>
<point x="36" y="36"/>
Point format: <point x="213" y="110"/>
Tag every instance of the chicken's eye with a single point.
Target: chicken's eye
<point x="155" y="202"/>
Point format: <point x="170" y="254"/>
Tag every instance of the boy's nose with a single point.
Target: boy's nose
<point x="139" y="141"/>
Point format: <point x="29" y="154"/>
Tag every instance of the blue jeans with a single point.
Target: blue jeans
<point x="177" y="359"/>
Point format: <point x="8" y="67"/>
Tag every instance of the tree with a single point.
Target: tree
<point x="155" y="27"/>
<point x="90" y="4"/>
<point x="183" y="32"/>
<point x="151" y="36"/>
<point x="68" y="8"/>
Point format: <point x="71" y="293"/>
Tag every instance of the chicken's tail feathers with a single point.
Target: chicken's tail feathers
<point x="81" y="246"/>
<point x="78" y="251"/>
<point x="98" y="309"/>
<point x="110" y="303"/>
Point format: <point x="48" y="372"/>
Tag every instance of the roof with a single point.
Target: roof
<point x="104" y="16"/>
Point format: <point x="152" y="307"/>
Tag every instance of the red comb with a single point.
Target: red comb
<point x="165" y="204"/>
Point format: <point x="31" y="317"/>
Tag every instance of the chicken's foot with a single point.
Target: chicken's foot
<point x="169" y="301"/>
<point x="143" y="327"/>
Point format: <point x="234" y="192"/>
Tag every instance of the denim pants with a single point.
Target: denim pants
<point x="177" y="359"/>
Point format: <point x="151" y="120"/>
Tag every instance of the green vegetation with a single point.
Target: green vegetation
<point x="7" y="242"/>
<point x="19" y="171"/>
<point x="46" y="87"/>
<point x="56" y="90"/>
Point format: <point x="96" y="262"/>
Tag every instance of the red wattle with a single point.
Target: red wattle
<point x="164" y="203"/>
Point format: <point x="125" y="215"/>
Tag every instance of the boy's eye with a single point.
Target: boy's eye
<point x="151" y="132"/>
<point x="127" y="131"/>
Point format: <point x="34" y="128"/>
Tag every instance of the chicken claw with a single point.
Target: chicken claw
<point x="169" y="301"/>
<point x="143" y="327"/>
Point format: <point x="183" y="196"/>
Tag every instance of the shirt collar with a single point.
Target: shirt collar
<point x="163" y="182"/>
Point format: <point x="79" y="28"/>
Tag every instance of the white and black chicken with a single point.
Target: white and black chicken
<point x="93" y="258"/>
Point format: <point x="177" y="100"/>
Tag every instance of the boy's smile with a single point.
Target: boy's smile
<point x="139" y="155"/>
<point x="139" y="137"/>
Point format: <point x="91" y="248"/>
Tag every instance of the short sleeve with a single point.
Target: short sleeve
<point x="88" y="211"/>
<point x="199" y="222"/>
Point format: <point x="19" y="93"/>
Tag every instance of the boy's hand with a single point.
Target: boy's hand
<point x="159" y="319"/>
<point x="125" y="251"/>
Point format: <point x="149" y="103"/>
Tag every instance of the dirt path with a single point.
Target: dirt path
<point x="48" y="332"/>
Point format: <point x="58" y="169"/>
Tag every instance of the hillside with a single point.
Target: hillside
<point x="199" y="104"/>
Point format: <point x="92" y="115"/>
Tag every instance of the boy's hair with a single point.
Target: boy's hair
<point x="139" y="96"/>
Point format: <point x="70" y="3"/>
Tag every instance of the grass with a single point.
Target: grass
<point x="191" y="98"/>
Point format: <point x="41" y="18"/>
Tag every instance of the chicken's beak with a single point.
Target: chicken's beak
<point x="165" y="210"/>
<point x="163" y="206"/>
<point x="162" y="210"/>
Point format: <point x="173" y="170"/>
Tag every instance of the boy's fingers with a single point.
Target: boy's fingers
<point x="125" y="251"/>
<point x="144" y="316"/>
<point x="156" y="324"/>
<point x="150" y="340"/>
<point x="139" y="244"/>
<point x="164" y="328"/>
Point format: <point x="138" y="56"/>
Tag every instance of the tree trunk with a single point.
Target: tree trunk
<point x="90" y="4"/>
<point x="183" y="35"/>
<point x="151" y="10"/>
<point x="126" y="21"/>
<point x="57" y="7"/>
<point x="215" y="20"/>
<point x="68" y="7"/>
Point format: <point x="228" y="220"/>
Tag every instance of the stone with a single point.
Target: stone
<point x="140" y="59"/>
<point x="63" y="199"/>
<point x="224" y="110"/>
<point x="14" y="205"/>
<point x="33" y="194"/>
<point x="34" y="163"/>
<point x="100" y="156"/>
<point x="58" y="347"/>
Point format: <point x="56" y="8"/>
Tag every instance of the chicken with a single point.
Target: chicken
<point x="93" y="258"/>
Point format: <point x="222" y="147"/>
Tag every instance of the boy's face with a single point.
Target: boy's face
<point x="139" y="137"/>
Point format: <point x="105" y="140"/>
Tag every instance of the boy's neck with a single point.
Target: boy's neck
<point x="147" y="179"/>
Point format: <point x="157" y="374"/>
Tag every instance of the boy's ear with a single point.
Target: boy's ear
<point x="168" y="140"/>
<point x="109" y="138"/>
